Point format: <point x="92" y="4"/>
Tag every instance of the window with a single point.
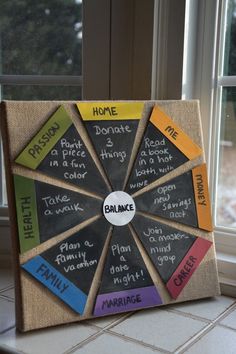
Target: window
<point x="42" y="58"/>
<point x="209" y="75"/>
<point x="41" y="44"/>
<point x="3" y="200"/>
<point x="41" y="54"/>
<point x="226" y="168"/>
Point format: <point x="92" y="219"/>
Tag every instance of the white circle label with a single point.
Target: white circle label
<point x="119" y="208"/>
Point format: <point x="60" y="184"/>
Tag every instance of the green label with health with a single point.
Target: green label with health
<point x="26" y="213"/>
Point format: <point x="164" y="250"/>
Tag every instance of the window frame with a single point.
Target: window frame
<point x="98" y="79"/>
<point x="202" y="41"/>
<point x="21" y="80"/>
<point x="206" y="85"/>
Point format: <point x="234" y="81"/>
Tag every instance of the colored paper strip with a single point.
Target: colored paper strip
<point x="187" y="267"/>
<point x="202" y="198"/>
<point x="26" y="208"/>
<point x="91" y="111"/>
<point x="127" y="300"/>
<point x="57" y="283"/>
<point x="45" y="139"/>
<point x="181" y="140"/>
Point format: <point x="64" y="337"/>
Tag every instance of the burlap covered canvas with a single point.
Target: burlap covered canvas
<point x="36" y="305"/>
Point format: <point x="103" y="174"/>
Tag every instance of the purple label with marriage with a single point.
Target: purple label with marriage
<point x="127" y="300"/>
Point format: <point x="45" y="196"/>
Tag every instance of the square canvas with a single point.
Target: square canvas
<point x="109" y="207"/>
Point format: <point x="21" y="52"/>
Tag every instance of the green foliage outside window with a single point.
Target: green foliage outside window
<point x="40" y="38"/>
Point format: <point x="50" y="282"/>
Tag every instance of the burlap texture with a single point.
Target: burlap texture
<point x="36" y="307"/>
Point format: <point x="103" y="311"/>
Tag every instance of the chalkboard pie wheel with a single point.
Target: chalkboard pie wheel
<point x="59" y="151"/>
<point x="102" y="194"/>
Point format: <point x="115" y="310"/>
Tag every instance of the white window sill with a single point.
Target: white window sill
<point x="227" y="273"/>
<point x="4" y="221"/>
<point x="4" y="218"/>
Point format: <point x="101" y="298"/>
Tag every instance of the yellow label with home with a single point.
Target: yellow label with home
<point x="176" y="135"/>
<point x="202" y="199"/>
<point x="112" y="110"/>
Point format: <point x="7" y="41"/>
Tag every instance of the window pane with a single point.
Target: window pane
<point x="3" y="194"/>
<point x="1" y="173"/>
<point x="4" y="189"/>
<point x="226" y="190"/>
<point x="230" y="40"/>
<point x="31" y="92"/>
<point x="41" y="37"/>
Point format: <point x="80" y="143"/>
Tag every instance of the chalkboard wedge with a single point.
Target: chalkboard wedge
<point x="184" y="199"/>
<point x="58" y="150"/>
<point x="126" y="283"/>
<point x="112" y="128"/>
<point x="175" y="254"/>
<point x="68" y="268"/>
<point x="164" y="147"/>
<point x="45" y="210"/>
<point x="165" y="245"/>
